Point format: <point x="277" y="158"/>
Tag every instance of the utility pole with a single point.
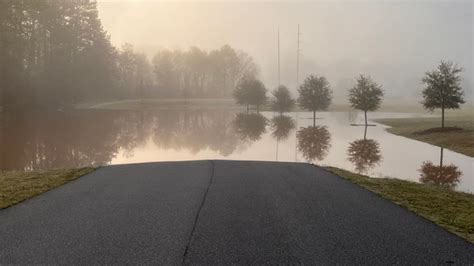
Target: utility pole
<point x="296" y="138"/>
<point x="279" y="82"/>
<point x="298" y="56"/>
<point x="297" y="81"/>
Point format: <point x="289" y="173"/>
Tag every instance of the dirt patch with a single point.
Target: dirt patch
<point x="437" y="130"/>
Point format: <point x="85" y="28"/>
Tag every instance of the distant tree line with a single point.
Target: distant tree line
<point x="197" y="73"/>
<point x="56" y="53"/>
<point x="53" y="52"/>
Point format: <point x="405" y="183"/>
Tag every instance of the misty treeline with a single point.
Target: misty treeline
<point x="197" y="73"/>
<point x="53" y="52"/>
<point x="191" y="73"/>
<point x="56" y="53"/>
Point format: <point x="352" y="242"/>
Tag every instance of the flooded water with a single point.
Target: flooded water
<point x="102" y="137"/>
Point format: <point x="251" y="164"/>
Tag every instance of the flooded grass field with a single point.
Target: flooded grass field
<point x="78" y="138"/>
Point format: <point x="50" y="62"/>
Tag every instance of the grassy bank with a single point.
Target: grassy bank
<point x="459" y="139"/>
<point x="169" y="103"/>
<point x="157" y="104"/>
<point x="20" y="185"/>
<point x="449" y="209"/>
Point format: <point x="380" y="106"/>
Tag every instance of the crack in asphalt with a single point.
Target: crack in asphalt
<point x="199" y="211"/>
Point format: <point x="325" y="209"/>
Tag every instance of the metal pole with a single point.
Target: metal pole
<point x="298" y="57"/>
<point x="279" y="82"/>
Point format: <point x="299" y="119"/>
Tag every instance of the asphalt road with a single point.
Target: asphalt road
<point x="219" y="212"/>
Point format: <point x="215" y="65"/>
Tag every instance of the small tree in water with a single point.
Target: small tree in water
<point x="366" y="95"/>
<point x="443" y="89"/>
<point x="250" y="92"/>
<point x="282" y="101"/>
<point x="315" y="95"/>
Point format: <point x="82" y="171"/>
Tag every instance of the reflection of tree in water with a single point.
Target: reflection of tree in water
<point x="59" y="140"/>
<point x="443" y="175"/>
<point x="250" y="127"/>
<point x="364" y="153"/>
<point x="195" y="130"/>
<point x="314" y="142"/>
<point x="82" y="138"/>
<point x="281" y="126"/>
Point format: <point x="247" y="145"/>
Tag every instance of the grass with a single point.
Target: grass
<point x="204" y="103"/>
<point x="449" y="209"/>
<point x="156" y="104"/>
<point x="17" y="186"/>
<point x="461" y="141"/>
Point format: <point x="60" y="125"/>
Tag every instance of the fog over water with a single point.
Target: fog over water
<point x="103" y="137"/>
<point x="393" y="41"/>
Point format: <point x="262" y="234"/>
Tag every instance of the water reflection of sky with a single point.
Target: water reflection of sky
<point x="115" y="137"/>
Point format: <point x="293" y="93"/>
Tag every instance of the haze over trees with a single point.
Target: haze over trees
<point x="315" y="94"/>
<point x="198" y="73"/>
<point x="282" y="101"/>
<point x="443" y="89"/>
<point x="250" y="92"/>
<point x="56" y="54"/>
<point x="135" y="73"/>
<point x="53" y="53"/>
<point x="366" y="95"/>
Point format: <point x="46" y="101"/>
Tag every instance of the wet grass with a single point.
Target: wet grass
<point x="459" y="136"/>
<point x="17" y="186"/>
<point x="449" y="209"/>
<point x="190" y="103"/>
<point x="157" y="104"/>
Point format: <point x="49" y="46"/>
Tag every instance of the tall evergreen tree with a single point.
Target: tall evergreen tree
<point x="53" y="53"/>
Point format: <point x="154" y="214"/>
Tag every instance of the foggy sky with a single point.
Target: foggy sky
<point x="393" y="41"/>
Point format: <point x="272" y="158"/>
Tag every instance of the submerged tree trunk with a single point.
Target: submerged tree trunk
<point x="365" y="114"/>
<point x="314" y="118"/>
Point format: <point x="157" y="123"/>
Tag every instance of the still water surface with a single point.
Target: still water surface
<point x="101" y="137"/>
